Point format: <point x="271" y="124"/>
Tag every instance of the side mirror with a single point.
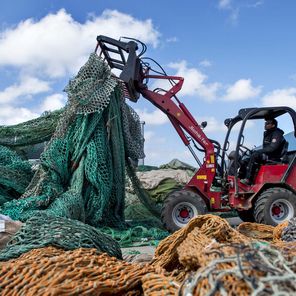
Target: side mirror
<point x="203" y="124"/>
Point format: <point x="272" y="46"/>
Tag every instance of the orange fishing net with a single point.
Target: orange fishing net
<point x="239" y="270"/>
<point x="209" y="226"/>
<point x="277" y="231"/>
<point x="256" y="230"/>
<point x="159" y="285"/>
<point x="207" y="257"/>
<point x="262" y="232"/>
<point x="51" y="271"/>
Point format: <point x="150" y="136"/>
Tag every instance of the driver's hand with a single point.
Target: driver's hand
<point x="256" y="152"/>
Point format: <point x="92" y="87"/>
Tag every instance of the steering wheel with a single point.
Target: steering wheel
<point x="245" y="151"/>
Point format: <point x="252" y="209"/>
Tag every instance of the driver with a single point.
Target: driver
<point x="273" y="143"/>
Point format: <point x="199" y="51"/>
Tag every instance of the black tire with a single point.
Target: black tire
<point x="178" y="202"/>
<point x="247" y="215"/>
<point x="274" y="206"/>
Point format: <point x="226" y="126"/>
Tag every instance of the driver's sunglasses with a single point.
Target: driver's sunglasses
<point x="268" y="122"/>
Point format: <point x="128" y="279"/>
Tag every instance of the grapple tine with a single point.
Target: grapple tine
<point x="131" y="69"/>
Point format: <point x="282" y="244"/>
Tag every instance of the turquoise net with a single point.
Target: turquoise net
<point x="43" y="230"/>
<point x="82" y="170"/>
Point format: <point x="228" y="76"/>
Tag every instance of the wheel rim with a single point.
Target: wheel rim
<point x="183" y="212"/>
<point x="281" y="210"/>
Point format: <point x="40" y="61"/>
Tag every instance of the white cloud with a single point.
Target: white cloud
<point x="205" y="63"/>
<point x="233" y="11"/>
<point x="213" y="124"/>
<point x="148" y="135"/>
<point x="53" y="102"/>
<point x="194" y="82"/>
<point x="156" y="117"/>
<point x="234" y="7"/>
<point x="281" y="97"/>
<point x="28" y="86"/>
<point x="58" y="45"/>
<point x="11" y="115"/>
<point x="242" y="90"/>
<point x="224" y="4"/>
<point x="172" y="39"/>
<point x="256" y="4"/>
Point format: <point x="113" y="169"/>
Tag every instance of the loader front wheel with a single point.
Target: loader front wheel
<point x="274" y="206"/>
<point x="180" y="207"/>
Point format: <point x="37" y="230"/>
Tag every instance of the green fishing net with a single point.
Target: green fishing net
<point x="15" y="175"/>
<point x="82" y="172"/>
<point x="44" y="230"/>
<point x="137" y="235"/>
<point x="30" y="132"/>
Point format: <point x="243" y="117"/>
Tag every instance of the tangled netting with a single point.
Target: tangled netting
<point x="289" y="233"/>
<point x="17" y="144"/>
<point x="257" y="231"/>
<point x="31" y="132"/>
<point x="15" y="175"/>
<point x="136" y="235"/>
<point x="43" y="230"/>
<point x="82" y="170"/>
<point x="207" y="257"/>
<point x="52" y="271"/>
<point x="241" y="270"/>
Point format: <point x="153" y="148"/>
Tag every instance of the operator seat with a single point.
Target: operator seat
<point x="283" y="157"/>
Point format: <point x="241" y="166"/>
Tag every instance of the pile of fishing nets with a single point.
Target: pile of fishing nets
<point x="42" y="230"/>
<point x="71" y="210"/>
<point x="82" y="170"/>
<point x="18" y="143"/>
<point x="15" y="175"/>
<point x="52" y="271"/>
<point x="207" y="257"/>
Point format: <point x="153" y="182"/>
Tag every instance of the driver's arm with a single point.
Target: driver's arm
<point x="275" y="143"/>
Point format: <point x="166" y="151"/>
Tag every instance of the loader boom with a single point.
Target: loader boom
<point x="134" y="74"/>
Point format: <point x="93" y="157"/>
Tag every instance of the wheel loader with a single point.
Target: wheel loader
<point x="216" y="185"/>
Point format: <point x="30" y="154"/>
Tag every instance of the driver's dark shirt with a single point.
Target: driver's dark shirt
<point x="273" y="143"/>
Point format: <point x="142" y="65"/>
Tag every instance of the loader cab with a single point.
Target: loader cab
<point x="232" y="157"/>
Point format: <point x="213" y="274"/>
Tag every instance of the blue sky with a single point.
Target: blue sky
<point x="232" y="54"/>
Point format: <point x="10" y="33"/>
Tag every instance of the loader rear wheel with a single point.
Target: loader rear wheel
<point x="247" y="215"/>
<point x="180" y="207"/>
<point x="274" y="206"/>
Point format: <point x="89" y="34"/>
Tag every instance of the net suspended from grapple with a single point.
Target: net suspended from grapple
<point x="82" y="170"/>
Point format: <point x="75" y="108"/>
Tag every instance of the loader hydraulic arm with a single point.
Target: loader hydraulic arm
<point x="134" y="74"/>
<point x="179" y="115"/>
